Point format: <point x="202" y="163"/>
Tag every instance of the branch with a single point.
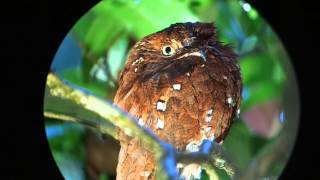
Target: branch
<point x="211" y="154"/>
<point x="71" y="103"/>
<point x="68" y="102"/>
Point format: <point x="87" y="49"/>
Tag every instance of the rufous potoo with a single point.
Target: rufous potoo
<point x="184" y="85"/>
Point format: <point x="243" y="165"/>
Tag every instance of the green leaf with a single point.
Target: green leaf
<point x="240" y="151"/>
<point x="102" y="33"/>
<point x="262" y="92"/>
<point x="136" y="17"/>
<point x="103" y="176"/>
<point x="117" y="56"/>
<point x="242" y="145"/>
<point x="99" y="28"/>
<point x="263" y="76"/>
<point x="256" y="68"/>
<point x="248" y="44"/>
<point x="74" y="75"/>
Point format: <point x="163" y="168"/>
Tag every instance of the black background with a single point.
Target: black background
<point x="33" y="33"/>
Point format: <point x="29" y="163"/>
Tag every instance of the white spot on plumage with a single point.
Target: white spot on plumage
<point x="160" y="124"/>
<point x="180" y="165"/>
<point x="238" y="112"/>
<point x="208" y="129"/>
<point x="177" y="87"/>
<point x="221" y="142"/>
<point x="208" y="119"/>
<point x="145" y="173"/>
<point x="193" y="147"/>
<point x="230" y="102"/>
<point x="161" y="105"/>
<point x="212" y="137"/>
<point x="141" y="122"/>
<point x="137" y="61"/>
<point x="135" y="69"/>
<point x="209" y="115"/>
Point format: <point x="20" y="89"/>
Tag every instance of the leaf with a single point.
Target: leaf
<point x="262" y="92"/>
<point x="263" y="77"/>
<point x="97" y="33"/>
<point x="70" y="142"/>
<point x="245" y="150"/>
<point x="104" y="22"/>
<point x="138" y="19"/>
<point x="248" y="44"/>
<point x="240" y="151"/>
<point x="117" y="56"/>
<point x="103" y="176"/>
<point x="74" y="75"/>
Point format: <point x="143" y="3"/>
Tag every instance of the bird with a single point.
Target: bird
<point x="183" y="84"/>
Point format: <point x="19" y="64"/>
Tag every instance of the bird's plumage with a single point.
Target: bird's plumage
<point x="194" y="93"/>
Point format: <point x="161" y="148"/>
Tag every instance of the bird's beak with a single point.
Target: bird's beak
<point x="199" y="53"/>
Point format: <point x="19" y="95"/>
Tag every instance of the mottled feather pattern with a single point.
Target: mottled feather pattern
<point x="201" y="105"/>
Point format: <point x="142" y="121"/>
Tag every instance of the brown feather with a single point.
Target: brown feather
<point x="209" y="86"/>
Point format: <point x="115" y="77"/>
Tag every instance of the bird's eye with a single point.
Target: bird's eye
<point x="168" y="50"/>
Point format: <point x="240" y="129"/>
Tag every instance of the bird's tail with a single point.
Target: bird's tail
<point x="135" y="162"/>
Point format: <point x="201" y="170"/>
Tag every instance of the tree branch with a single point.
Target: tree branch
<point x="68" y="102"/>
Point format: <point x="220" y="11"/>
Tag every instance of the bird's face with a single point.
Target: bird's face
<point x="174" y="50"/>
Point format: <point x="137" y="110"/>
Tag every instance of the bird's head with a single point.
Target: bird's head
<point x="176" y="50"/>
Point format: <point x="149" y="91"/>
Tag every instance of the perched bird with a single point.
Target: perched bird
<point x="184" y="85"/>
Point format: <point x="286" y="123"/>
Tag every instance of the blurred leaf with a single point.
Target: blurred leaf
<point x="198" y="6"/>
<point x="142" y="22"/>
<point x="70" y="167"/>
<point x="99" y="27"/>
<point x="96" y="34"/>
<point x="263" y="77"/>
<point x="253" y="14"/>
<point x="248" y="44"/>
<point x="81" y="27"/>
<point x="237" y="143"/>
<point x="117" y="56"/>
<point x="242" y="145"/>
<point x="261" y="92"/>
<point x="74" y="75"/>
<point x="103" y="176"/>
<point x="255" y="68"/>
<point x="278" y="74"/>
<point x="71" y="142"/>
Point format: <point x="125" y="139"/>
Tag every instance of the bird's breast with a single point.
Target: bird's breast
<point x="183" y="109"/>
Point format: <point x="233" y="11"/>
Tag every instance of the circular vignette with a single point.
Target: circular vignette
<point x="95" y="50"/>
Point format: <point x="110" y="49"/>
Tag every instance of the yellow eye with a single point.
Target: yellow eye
<point x="168" y="50"/>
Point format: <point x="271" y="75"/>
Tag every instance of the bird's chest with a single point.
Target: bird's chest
<point x="179" y="110"/>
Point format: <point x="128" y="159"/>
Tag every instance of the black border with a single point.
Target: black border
<point x="35" y="31"/>
<point x="295" y="22"/>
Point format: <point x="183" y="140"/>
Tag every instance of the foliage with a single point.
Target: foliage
<point x="106" y="33"/>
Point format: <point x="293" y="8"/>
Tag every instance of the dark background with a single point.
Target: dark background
<point x="34" y="31"/>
